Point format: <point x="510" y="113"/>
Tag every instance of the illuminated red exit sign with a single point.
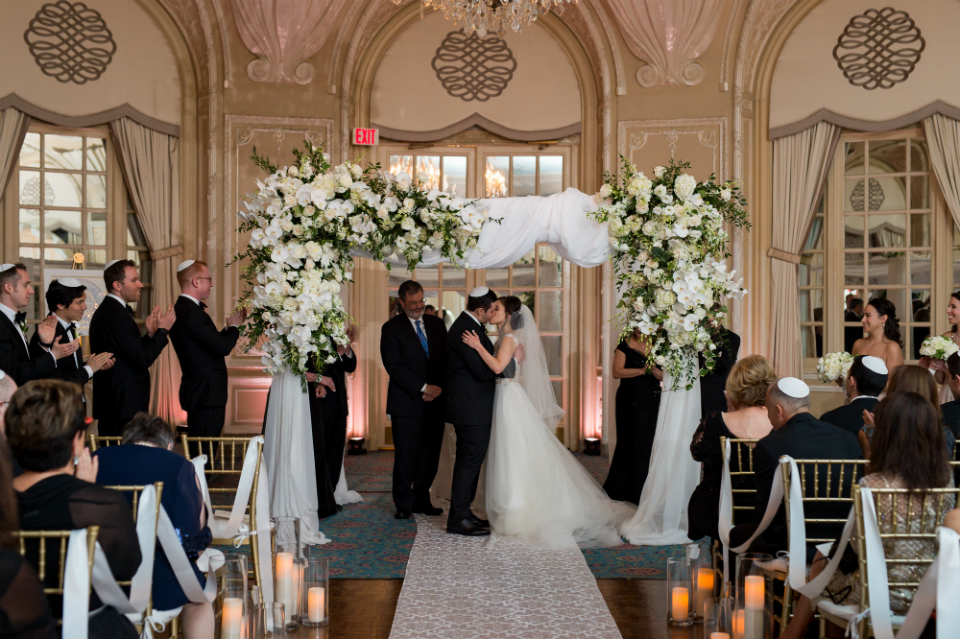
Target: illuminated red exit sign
<point x="366" y="137"/>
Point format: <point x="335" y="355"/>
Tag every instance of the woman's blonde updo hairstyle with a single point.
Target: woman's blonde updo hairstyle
<point x="749" y="380"/>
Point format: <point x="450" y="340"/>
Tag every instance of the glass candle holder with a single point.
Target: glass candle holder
<point x="288" y="565"/>
<point x="704" y="585"/>
<point x="680" y="594"/>
<point x="316" y="592"/>
<point x="232" y="602"/>
<point x="753" y="615"/>
<point x="287" y="532"/>
<point x="718" y="616"/>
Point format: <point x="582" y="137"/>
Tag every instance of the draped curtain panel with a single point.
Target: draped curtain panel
<point x="943" y="140"/>
<point x="13" y="129"/>
<point x="800" y="166"/>
<point x="150" y="169"/>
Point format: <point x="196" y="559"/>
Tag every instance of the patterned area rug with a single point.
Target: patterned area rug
<point x="368" y="543"/>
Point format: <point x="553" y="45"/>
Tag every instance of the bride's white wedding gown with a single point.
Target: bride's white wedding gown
<point x="535" y="488"/>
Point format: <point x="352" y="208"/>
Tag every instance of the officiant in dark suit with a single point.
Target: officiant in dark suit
<point x="67" y="301"/>
<point x="865" y="381"/>
<point x="201" y="349"/>
<point x="412" y="352"/>
<point x="15" y="357"/>
<point x="124" y="390"/>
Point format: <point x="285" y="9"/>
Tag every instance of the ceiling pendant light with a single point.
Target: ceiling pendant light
<point x="490" y="16"/>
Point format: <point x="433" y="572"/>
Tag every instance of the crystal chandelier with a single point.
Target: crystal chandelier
<point x="490" y="16"/>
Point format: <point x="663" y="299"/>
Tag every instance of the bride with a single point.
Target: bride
<point x="535" y="488"/>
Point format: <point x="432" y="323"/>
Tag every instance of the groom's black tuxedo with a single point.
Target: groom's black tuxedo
<point x="470" y="389"/>
<point x="417" y="424"/>
<point x="70" y="368"/>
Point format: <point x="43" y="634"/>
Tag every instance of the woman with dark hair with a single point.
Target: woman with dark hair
<point x="46" y="429"/>
<point x="939" y="365"/>
<point x="882" y="330"/>
<point x="637" y="403"/>
<point x="908" y="452"/>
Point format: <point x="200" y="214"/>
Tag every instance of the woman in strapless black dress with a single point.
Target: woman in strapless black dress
<point x="638" y="401"/>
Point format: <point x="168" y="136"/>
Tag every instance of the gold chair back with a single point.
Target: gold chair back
<point x="101" y="441"/>
<point x="741" y="450"/>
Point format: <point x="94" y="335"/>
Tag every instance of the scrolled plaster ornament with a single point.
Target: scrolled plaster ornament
<point x="284" y="34"/>
<point x="669" y="35"/>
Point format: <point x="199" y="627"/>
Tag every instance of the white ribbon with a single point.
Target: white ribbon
<point x="948" y="584"/>
<point x="76" y="587"/>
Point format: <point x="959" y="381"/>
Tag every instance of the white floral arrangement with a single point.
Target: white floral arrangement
<point x="669" y="247"/>
<point x="834" y="366"/>
<point x="938" y="347"/>
<point x="304" y="221"/>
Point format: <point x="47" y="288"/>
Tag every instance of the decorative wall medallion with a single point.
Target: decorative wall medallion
<point x="473" y="68"/>
<point x="875" y="196"/>
<point x="879" y="48"/>
<point x="70" y="42"/>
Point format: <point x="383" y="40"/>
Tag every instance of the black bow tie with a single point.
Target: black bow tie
<point x="203" y="306"/>
<point x="129" y="309"/>
<point x="20" y="318"/>
<point x="72" y="328"/>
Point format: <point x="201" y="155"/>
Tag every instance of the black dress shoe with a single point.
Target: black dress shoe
<point x="467" y="527"/>
<point x="428" y="510"/>
<point x="483" y="523"/>
<point x="402" y="513"/>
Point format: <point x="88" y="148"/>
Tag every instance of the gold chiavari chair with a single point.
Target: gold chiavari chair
<point x="822" y="482"/>
<point x="42" y="538"/>
<point x="925" y="510"/>
<point x="101" y="441"/>
<point x="741" y="450"/>
<point x="226" y="466"/>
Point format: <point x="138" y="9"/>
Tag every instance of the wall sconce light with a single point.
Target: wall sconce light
<point x="591" y="446"/>
<point x="356" y="446"/>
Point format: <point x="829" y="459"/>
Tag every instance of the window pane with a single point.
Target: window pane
<point x="96" y="258"/>
<point x="428" y="170"/>
<point x="454" y="277"/>
<point x="63" y="189"/>
<point x="551" y="311"/>
<point x="551" y="267"/>
<point x="815" y="235"/>
<point x="811" y="269"/>
<point x="888" y="156"/>
<point x="401" y="163"/>
<point x="27" y="253"/>
<point x="886" y="268"/>
<point x="853" y="231"/>
<point x="853" y="269"/>
<point x="523" y="271"/>
<point x="919" y="160"/>
<point x="551" y="174"/>
<point x="29" y="226"/>
<point x="431" y="298"/>
<point x="921" y="305"/>
<point x="63" y="227"/>
<point x="888" y="194"/>
<point x="499" y="278"/>
<point x="97" y="191"/>
<point x="30" y="151"/>
<point x="96" y="155"/>
<point x="811" y="341"/>
<point x="887" y="231"/>
<point x="553" y="349"/>
<point x="854" y="158"/>
<point x="63" y="152"/>
<point x="30" y="187"/>
<point x="428" y="276"/>
<point x="956" y="269"/>
<point x="58" y="257"/>
<point x="495" y="179"/>
<point x="97" y="228"/>
<point x="853" y="196"/>
<point x="917" y="335"/>
<point x="524" y="175"/>
<point x="920" y="267"/>
<point x="528" y="299"/>
<point x="454" y="303"/>
<point x="455" y="175"/>
<point x="558" y="392"/>
<point x="135" y="235"/>
<point x="811" y="305"/>
<point x="919" y="192"/>
<point x="920" y="229"/>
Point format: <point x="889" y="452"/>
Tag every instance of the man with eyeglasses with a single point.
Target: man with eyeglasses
<point x="201" y="349"/>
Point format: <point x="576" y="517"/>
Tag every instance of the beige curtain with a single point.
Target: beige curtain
<point x="13" y="128"/>
<point x="150" y="170"/>
<point x="943" y="140"/>
<point x="800" y="166"/>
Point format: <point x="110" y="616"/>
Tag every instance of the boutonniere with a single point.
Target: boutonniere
<point x="23" y="328"/>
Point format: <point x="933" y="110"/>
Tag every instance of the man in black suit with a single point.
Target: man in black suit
<point x="951" y="410"/>
<point x="201" y="349"/>
<point x="866" y="380"/>
<point x="411" y="349"/>
<point x="67" y="301"/>
<point x="800" y="435"/>
<point x="334" y="405"/>
<point x="712" y="385"/>
<point x="15" y="358"/>
<point x="471" y="386"/>
<point x="124" y="390"/>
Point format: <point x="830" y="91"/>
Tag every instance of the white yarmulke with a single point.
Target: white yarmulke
<point x="2" y="374"/>
<point x="69" y="282"/>
<point x="875" y="364"/>
<point x="6" y="267"/>
<point x="480" y="291"/>
<point x="185" y="265"/>
<point x="793" y="387"/>
<point x="110" y="263"/>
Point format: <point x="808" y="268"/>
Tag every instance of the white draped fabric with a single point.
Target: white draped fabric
<point x="661" y="518"/>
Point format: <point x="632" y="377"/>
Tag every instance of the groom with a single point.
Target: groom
<point x="470" y="390"/>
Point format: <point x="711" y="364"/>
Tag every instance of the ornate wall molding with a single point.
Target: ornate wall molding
<point x="670" y="36"/>
<point x="284" y="34"/>
<point x="334" y="64"/>
<point x="699" y="135"/>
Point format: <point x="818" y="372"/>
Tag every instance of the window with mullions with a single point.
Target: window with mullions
<point x="519" y="175"/>
<point x="444" y="288"/>
<point x="812" y="293"/>
<point x="445" y="172"/>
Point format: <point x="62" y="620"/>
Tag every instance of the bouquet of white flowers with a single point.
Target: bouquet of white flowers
<point x="938" y="347"/>
<point x="834" y="366"/>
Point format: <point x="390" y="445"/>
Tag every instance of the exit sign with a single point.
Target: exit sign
<point x="366" y="137"/>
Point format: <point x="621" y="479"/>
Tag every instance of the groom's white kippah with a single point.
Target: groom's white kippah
<point x="109" y="264"/>
<point x="875" y="364"/>
<point x="793" y="387"/>
<point x="6" y="267"/>
<point x="69" y="282"/>
<point x="480" y="291"/>
<point x="185" y="265"/>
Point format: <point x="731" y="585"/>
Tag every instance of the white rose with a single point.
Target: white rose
<point x="659" y="171"/>
<point x="408" y="224"/>
<point x="292" y="172"/>
<point x="408" y="204"/>
<point x="684" y="186"/>
<point x="606" y="191"/>
<point x="404" y="180"/>
<point x="725" y="195"/>
<point x="649" y="228"/>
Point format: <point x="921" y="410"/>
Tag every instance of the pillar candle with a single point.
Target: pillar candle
<point x="284" y="586"/>
<point x="738" y="624"/>
<point x="680" y="604"/>
<point x="753" y="600"/>
<point x="704" y="587"/>
<point x="232" y="619"/>
<point x="315" y="604"/>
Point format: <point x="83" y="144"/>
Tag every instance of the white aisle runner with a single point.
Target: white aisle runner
<point x="460" y="587"/>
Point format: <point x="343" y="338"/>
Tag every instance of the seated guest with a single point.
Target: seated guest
<point x="145" y="456"/>
<point x="951" y="409"/>
<point x="864" y="383"/>
<point x="800" y="435"/>
<point x="46" y="429"/>
<point x="746" y="419"/>
<point x="908" y="452"/>
<point x="908" y="378"/>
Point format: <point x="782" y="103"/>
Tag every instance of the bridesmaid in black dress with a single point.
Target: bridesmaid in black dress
<point x="638" y="400"/>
